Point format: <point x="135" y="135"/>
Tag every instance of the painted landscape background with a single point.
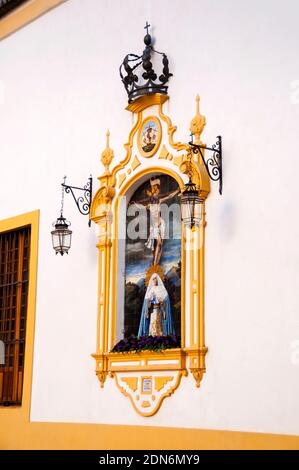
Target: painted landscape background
<point x="139" y="259"/>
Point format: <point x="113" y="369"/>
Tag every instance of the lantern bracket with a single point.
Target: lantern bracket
<point x="83" y="202"/>
<point x="213" y="164"/>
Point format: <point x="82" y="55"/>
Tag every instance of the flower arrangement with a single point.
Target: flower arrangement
<point x="146" y="343"/>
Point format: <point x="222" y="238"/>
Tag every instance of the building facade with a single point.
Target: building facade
<point x="60" y="91"/>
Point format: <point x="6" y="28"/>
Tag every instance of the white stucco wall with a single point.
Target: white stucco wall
<point x="60" y="91"/>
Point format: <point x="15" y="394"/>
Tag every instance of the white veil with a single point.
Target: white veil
<point x="158" y="291"/>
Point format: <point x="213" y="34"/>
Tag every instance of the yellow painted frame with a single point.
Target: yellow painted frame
<point x="25" y="14"/>
<point x="6" y="225"/>
<point x="139" y="136"/>
<point x="105" y="212"/>
<point x="122" y="193"/>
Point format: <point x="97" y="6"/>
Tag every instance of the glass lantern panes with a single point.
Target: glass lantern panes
<point x="61" y="236"/>
<point x="191" y="206"/>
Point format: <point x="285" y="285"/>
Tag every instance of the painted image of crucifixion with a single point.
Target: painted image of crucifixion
<point x="152" y="303"/>
<point x="157" y="224"/>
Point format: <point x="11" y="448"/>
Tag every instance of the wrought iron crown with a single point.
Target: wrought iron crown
<point x="151" y="83"/>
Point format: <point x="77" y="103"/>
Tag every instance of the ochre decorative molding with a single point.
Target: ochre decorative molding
<point x="135" y="163"/>
<point x="101" y="203"/>
<point x="198" y="375"/>
<point x="146" y="101"/>
<point x="147" y="404"/>
<point x="108" y="180"/>
<point x="168" y="359"/>
<point x="128" y="146"/>
<point x="197" y="364"/>
<point x="122" y="177"/>
<point x="102" y="375"/>
<point x="197" y="124"/>
<point x="107" y="155"/>
<point x="25" y="14"/>
<point x="147" y="377"/>
<point x="164" y="154"/>
<point x="132" y="382"/>
<point x="160" y="382"/>
<point x="171" y="129"/>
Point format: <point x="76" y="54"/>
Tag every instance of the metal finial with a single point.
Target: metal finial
<point x="147" y="27"/>
<point x="62" y="196"/>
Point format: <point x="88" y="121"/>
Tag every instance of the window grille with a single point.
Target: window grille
<point x="14" y="280"/>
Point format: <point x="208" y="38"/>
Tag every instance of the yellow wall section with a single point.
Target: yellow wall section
<point x="17" y="432"/>
<point x="25" y="14"/>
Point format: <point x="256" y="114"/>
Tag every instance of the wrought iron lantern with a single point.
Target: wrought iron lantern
<point x="191" y="202"/>
<point x="191" y="206"/>
<point x="61" y="236"/>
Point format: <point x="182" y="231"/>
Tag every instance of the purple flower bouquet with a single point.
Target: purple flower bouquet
<point x="146" y="343"/>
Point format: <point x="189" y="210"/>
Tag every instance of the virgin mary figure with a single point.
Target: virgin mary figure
<point x="156" y="319"/>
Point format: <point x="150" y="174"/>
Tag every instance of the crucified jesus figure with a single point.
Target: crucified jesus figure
<point x="157" y="224"/>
